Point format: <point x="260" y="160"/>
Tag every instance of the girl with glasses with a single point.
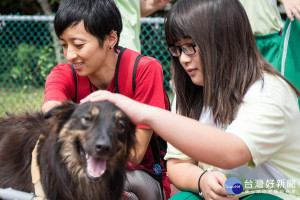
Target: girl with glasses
<point x="233" y="110"/>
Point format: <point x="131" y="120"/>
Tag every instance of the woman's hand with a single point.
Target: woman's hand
<point x="212" y="186"/>
<point x="136" y="111"/>
<point x="292" y="7"/>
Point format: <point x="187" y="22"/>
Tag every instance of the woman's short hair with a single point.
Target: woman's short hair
<point x="100" y="17"/>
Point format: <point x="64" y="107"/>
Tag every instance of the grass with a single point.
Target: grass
<point x="17" y="99"/>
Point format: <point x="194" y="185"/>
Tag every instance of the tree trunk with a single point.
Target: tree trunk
<point x="48" y="11"/>
<point x="45" y="6"/>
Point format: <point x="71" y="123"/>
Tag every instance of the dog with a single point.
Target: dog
<point x="82" y="151"/>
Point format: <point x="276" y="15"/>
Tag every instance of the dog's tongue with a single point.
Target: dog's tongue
<point x="96" y="166"/>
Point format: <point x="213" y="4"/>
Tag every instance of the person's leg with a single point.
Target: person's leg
<point x="186" y="196"/>
<point x="140" y="185"/>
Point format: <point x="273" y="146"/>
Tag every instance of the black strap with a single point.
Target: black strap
<point x="134" y="72"/>
<point x="91" y="87"/>
<point x="75" y="79"/>
<point x="156" y="155"/>
<point x="117" y="70"/>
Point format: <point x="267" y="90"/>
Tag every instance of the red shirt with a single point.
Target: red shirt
<point x="60" y="85"/>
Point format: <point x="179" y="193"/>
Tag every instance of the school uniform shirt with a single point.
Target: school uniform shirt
<point x="268" y="121"/>
<point x="263" y="15"/>
<point x="60" y="86"/>
<point x="131" y="19"/>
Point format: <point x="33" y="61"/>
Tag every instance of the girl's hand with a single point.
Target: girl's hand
<point x="136" y="111"/>
<point x="212" y="186"/>
<point x="292" y="7"/>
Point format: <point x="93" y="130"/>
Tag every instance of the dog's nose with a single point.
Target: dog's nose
<point x="102" y="147"/>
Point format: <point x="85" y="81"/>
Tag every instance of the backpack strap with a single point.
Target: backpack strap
<point x="157" y="168"/>
<point x="134" y="72"/>
<point x="125" y="64"/>
<point x="117" y="70"/>
<point x="75" y="79"/>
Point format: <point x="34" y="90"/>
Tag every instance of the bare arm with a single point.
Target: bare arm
<point x="183" y="132"/>
<point x="150" y="6"/>
<point x="291" y="7"/>
<point x="143" y="139"/>
<point x="184" y="174"/>
<point x="49" y="105"/>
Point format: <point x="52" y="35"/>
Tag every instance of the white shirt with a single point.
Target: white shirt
<point x="268" y="121"/>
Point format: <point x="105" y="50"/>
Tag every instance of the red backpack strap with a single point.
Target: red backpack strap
<point x="126" y="72"/>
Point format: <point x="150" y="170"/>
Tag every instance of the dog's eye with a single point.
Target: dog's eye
<point x="86" y="120"/>
<point x="120" y="126"/>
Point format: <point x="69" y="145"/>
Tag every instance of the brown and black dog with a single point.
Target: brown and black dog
<point x="82" y="151"/>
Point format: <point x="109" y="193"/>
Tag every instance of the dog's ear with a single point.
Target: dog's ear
<point x="131" y="138"/>
<point x="61" y="111"/>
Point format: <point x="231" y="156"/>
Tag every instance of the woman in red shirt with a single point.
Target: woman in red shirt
<point x="89" y="32"/>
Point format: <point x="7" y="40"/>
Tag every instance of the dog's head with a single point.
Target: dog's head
<point x="93" y="138"/>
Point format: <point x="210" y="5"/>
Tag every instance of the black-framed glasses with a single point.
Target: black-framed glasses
<point x="188" y="49"/>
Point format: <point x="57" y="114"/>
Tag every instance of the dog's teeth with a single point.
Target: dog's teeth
<point x="95" y="175"/>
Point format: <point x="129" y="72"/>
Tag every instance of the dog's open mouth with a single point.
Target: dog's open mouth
<point x="95" y="167"/>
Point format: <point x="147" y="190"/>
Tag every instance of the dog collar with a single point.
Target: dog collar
<point x="36" y="176"/>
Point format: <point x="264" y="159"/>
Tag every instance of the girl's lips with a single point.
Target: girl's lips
<point x="191" y="71"/>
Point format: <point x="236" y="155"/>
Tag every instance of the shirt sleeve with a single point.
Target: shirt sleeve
<point x="260" y="124"/>
<point x="59" y="84"/>
<point x="173" y="152"/>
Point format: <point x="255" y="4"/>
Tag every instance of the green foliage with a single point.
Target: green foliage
<point x="27" y="65"/>
<point x="25" y="7"/>
<point x="44" y="63"/>
<point x="173" y="2"/>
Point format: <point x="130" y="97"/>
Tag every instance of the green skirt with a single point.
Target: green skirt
<point x="288" y="58"/>
<point x="193" y="196"/>
<point x="269" y="46"/>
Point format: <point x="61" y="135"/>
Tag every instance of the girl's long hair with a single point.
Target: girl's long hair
<point x="230" y="60"/>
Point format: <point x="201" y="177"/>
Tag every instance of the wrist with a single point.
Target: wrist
<point x="199" y="187"/>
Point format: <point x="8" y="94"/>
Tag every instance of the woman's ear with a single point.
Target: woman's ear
<point x="112" y="39"/>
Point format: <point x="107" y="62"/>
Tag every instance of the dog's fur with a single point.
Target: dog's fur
<point x="73" y="137"/>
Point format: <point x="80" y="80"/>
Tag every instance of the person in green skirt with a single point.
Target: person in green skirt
<point x="232" y="109"/>
<point x="267" y="24"/>
<point x="277" y="43"/>
<point x="288" y="59"/>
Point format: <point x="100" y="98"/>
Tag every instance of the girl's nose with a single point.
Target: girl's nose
<point x="183" y="58"/>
